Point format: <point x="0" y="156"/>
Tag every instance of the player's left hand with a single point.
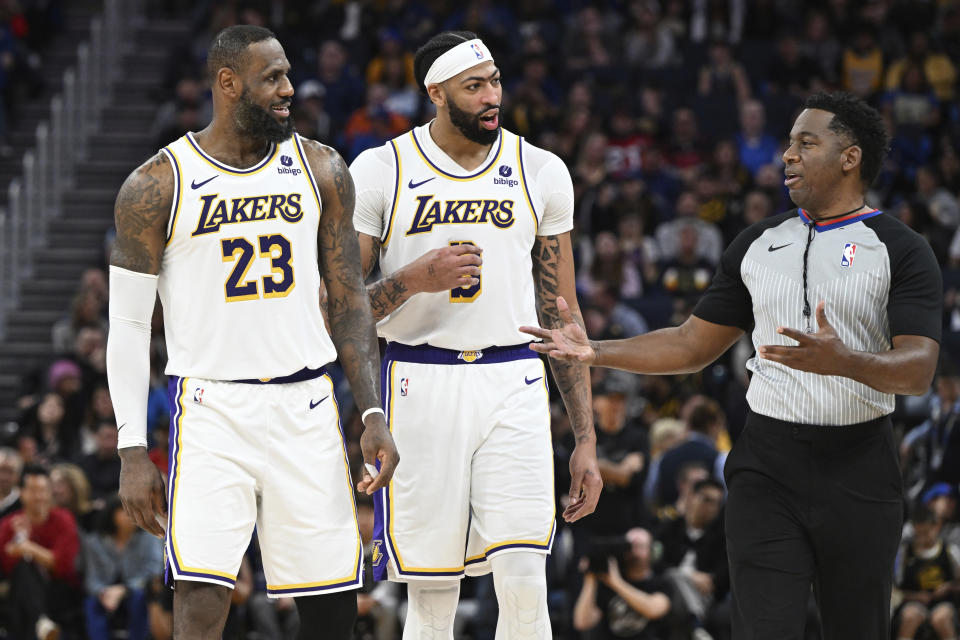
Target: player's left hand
<point x="377" y="446"/>
<point x="822" y="352"/>
<point x="585" y="483"/>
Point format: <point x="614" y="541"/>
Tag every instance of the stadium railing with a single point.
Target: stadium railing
<point x="48" y="169"/>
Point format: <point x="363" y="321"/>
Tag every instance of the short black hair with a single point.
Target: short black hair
<point x="33" y="470"/>
<point x="229" y="47"/>
<point x="433" y="49"/>
<point x="922" y="514"/>
<point x="861" y="124"/>
<point x="707" y="483"/>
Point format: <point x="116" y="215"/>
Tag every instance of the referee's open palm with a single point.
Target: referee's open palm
<point x="569" y="342"/>
<point x="819" y="352"/>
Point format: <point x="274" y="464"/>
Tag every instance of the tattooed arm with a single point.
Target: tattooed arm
<point x="553" y="275"/>
<point x="351" y="323"/>
<point x="436" y="270"/>
<point x="141" y="213"/>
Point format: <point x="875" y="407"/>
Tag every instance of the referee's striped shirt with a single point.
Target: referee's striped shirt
<point x="878" y="277"/>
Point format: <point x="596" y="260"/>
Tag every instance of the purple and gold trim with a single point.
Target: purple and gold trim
<point x="260" y="166"/>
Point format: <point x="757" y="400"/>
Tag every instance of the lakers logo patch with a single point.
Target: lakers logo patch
<point x="470" y="356"/>
<point x="376" y="557"/>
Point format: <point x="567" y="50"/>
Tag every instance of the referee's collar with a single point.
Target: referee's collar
<point x="840" y="222"/>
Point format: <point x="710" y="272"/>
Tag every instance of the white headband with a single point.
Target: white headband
<point x="460" y="58"/>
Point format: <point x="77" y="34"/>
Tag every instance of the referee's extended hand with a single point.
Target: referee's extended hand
<point x="569" y="342"/>
<point x="822" y="352"/>
<point x="377" y="446"/>
<point x="141" y="490"/>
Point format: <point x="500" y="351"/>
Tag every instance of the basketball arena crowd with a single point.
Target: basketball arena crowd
<point x="672" y="117"/>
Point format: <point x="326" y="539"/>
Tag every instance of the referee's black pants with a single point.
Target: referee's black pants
<point x="812" y="505"/>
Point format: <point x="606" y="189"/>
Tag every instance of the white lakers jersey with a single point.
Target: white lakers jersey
<point x="415" y="198"/>
<point x="239" y="281"/>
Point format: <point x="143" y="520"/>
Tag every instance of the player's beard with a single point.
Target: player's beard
<point x="469" y="124"/>
<point x="256" y="121"/>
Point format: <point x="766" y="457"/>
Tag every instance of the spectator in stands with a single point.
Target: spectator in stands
<point x="312" y="118"/>
<point x="102" y="467"/>
<point x="534" y="98"/>
<point x="930" y="453"/>
<point x="372" y="124"/>
<point x="71" y="491"/>
<point x="755" y="145"/>
<point x="706" y="421"/>
<point x="119" y="561"/>
<point x="38" y="551"/>
<point x="709" y="239"/>
<point x="685" y="148"/>
<point x="722" y="84"/>
<point x="621" y="453"/>
<point x="624" y="599"/>
<point x="606" y="266"/>
<point x="689" y="474"/>
<point x="46" y="427"/>
<point x="10" y="467"/>
<point x="862" y="64"/>
<point x="695" y="556"/>
<point x="941" y="498"/>
<point x="927" y="574"/>
<point x="943" y="206"/>
<point x="686" y="275"/>
<point x="344" y="89"/>
<point x="86" y="311"/>
<point x="648" y="41"/>
<point x="99" y="409"/>
<point x="939" y="70"/>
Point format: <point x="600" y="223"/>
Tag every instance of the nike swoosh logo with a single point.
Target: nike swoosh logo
<point x="773" y="248"/>
<point x="194" y="185"/>
<point x="414" y="185"/>
<point x="529" y="381"/>
<point x="121" y="427"/>
<point x="314" y="404"/>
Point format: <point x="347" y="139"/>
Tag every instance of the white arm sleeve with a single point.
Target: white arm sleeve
<point x="132" y="296"/>
<point x="551" y="179"/>
<point x="374" y="175"/>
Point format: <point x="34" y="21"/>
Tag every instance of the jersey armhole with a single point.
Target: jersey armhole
<point x="306" y="169"/>
<point x="177" y="193"/>
<point x="385" y="238"/>
<point x="523" y="180"/>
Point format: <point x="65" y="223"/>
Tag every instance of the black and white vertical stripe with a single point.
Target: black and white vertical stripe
<point x="799" y="396"/>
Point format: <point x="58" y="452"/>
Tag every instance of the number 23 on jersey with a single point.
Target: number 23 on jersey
<point x="274" y="247"/>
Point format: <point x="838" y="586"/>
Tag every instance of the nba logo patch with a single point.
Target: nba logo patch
<point x="198" y="395"/>
<point x="477" y="51"/>
<point x="849" y="250"/>
<point x="286" y="161"/>
<point x="403" y="386"/>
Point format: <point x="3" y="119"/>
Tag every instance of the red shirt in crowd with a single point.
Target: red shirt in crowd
<point x="58" y="534"/>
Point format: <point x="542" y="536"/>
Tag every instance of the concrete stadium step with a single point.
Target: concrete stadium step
<point x="42" y="302"/>
<point x="58" y="238"/>
<point x="71" y="255"/>
<point x="43" y="317"/>
<point x="70" y="271"/>
<point x="50" y="286"/>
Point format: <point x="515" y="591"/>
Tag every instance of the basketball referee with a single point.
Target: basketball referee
<point x="843" y="303"/>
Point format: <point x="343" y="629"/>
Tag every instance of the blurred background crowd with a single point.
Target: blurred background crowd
<point x="671" y="116"/>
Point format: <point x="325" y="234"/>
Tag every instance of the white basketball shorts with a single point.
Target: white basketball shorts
<point x="270" y="455"/>
<point x="476" y="463"/>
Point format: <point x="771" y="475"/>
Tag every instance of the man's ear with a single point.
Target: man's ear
<point x="228" y="82"/>
<point x="437" y="95"/>
<point x="850" y="158"/>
